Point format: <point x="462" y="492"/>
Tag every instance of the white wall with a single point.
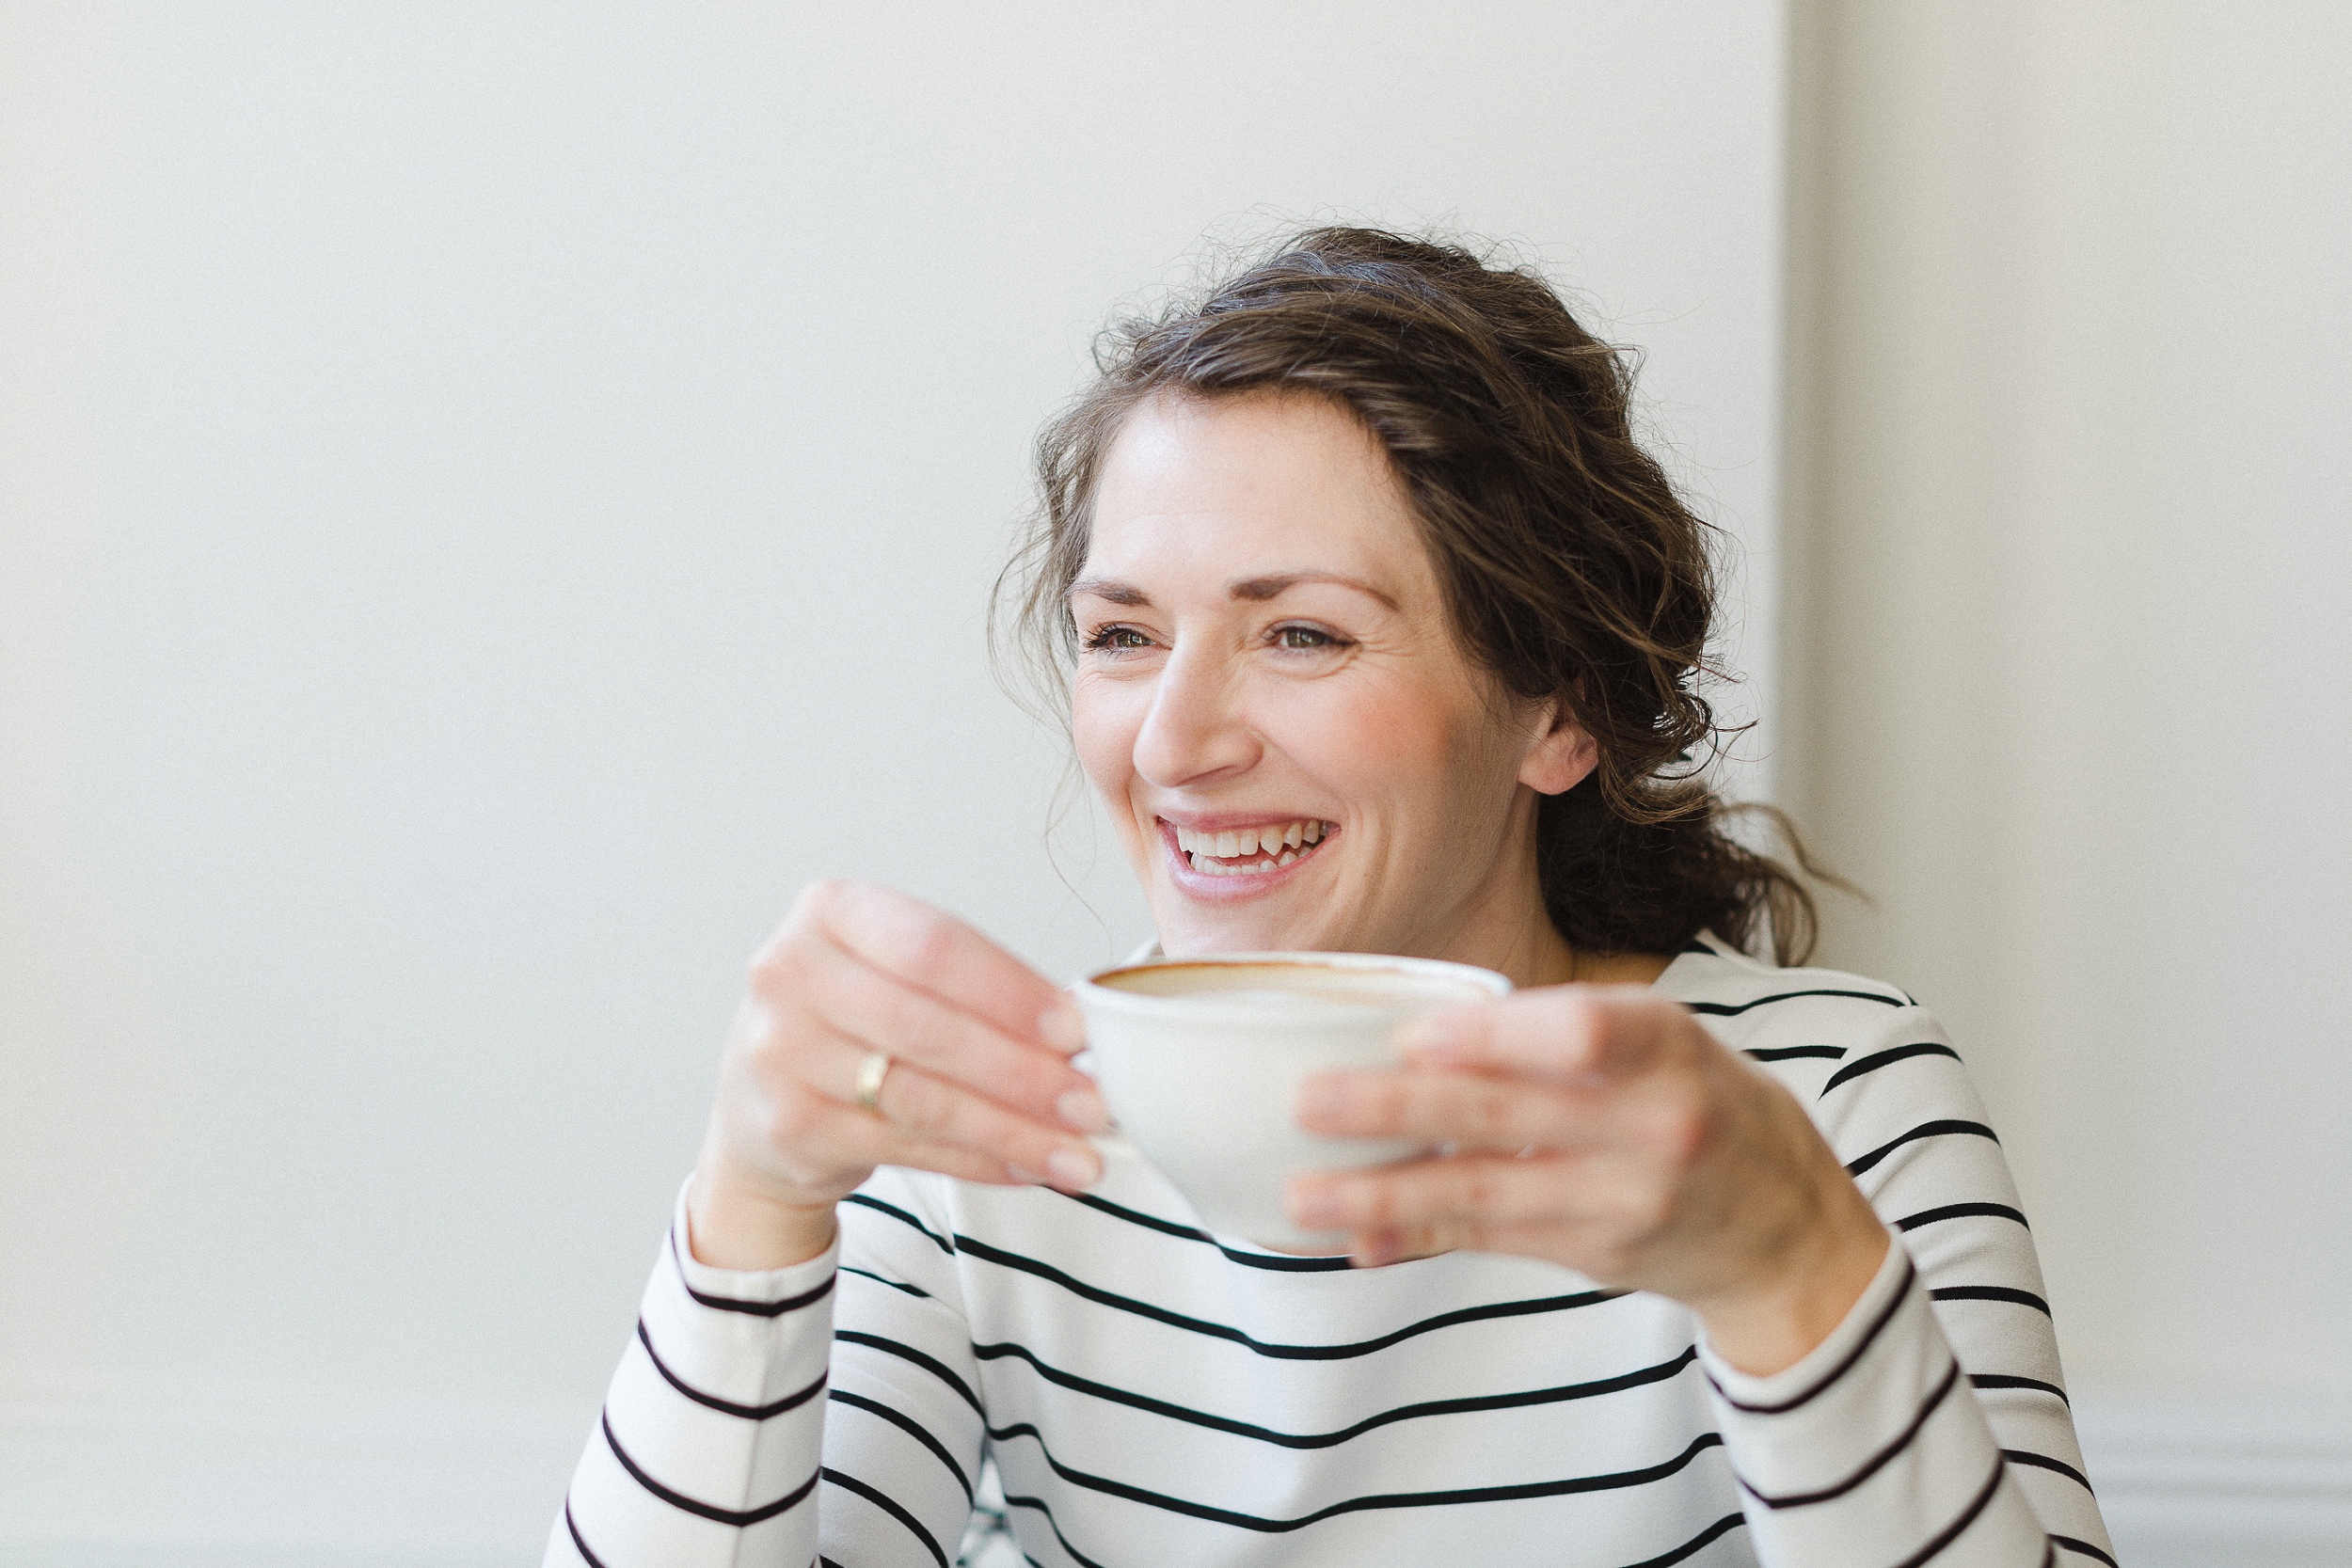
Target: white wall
<point x="492" y="498"/>
<point x="2071" y="561"/>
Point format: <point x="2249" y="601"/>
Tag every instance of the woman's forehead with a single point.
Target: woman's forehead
<point x="1251" y="488"/>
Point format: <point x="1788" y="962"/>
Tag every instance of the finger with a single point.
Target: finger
<point x="865" y="1004"/>
<point x="866" y="1139"/>
<point x="923" y="1108"/>
<point x="1466" y="1109"/>
<point x="952" y="1159"/>
<point x="932" y="951"/>
<point x="1564" y="1035"/>
<point x="1478" y="1190"/>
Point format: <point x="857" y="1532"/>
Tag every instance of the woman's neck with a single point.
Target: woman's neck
<point x="1509" y="929"/>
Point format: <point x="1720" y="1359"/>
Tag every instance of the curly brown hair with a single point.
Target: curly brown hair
<point x="1571" y="567"/>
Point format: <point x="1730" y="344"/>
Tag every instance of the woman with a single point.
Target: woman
<point x="1383" y="631"/>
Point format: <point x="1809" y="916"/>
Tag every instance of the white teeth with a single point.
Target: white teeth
<point x="1283" y="845"/>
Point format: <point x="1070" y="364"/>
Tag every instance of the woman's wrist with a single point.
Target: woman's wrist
<point x="732" y="1225"/>
<point x="1817" y="1275"/>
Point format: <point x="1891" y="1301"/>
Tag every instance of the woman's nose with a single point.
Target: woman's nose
<point x="1195" y="731"/>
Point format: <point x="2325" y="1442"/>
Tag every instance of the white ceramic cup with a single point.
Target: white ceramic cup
<point x="1199" y="1061"/>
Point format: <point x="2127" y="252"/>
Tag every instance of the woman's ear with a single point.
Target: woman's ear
<point x="1563" y="756"/>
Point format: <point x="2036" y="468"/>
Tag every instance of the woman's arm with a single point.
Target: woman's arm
<point x="1943" y="1383"/>
<point x="726" y="1438"/>
<point x="707" y="1449"/>
<point x="1609" y="1132"/>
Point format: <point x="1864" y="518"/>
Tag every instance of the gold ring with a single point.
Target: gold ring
<point x="871" y="1073"/>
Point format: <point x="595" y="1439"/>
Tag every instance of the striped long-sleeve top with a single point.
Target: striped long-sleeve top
<point x="1123" y="1390"/>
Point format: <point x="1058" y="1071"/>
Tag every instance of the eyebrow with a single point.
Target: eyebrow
<point x="1254" y="589"/>
<point x="1272" y="587"/>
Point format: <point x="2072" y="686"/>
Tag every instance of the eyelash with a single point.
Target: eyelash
<point x="1106" y="639"/>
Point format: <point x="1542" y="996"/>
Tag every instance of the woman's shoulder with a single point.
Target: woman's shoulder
<point x="1758" y="1006"/>
<point x="1869" y="1062"/>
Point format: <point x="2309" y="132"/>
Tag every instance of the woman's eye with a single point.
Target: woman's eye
<point x="1302" y="638"/>
<point x="1116" y="639"/>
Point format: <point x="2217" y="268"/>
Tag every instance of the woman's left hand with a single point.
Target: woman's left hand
<point x="1603" y="1128"/>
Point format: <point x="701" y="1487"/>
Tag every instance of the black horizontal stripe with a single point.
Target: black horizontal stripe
<point x="1951" y="1533"/>
<point x="749" y="1412"/>
<point x="2003" y="1380"/>
<point x="2084" y="1547"/>
<point x="1281" y="1262"/>
<point x="1730" y="1009"/>
<point x="894" y="1284"/>
<point x="1958" y="1211"/>
<point x="1573" y="1484"/>
<point x="1660" y="1373"/>
<point x="864" y="1201"/>
<point x="2043" y="1461"/>
<point x="1925" y="1130"/>
<point x="913" y="1428"/>
<point x="1053" y="1524"/>
<point x="1887" y="1058"/>
<point x="1871" y="1467"/>
<point x="1700" y="1542"/>
<point x="1870" y="1335"/>
<point x="974" y="1247"/>
<point x="1790" y="1052"/>
<point x="755" y="1308"/>
<point x="931" y="1364"/>
<point x="1990" y="1292"/>
<point x="888" y="1505"/>
<point x="586" y="1556"/>
<point x="693" y="1506"/>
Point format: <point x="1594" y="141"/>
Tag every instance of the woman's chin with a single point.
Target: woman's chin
<point x="1191" y="927"/>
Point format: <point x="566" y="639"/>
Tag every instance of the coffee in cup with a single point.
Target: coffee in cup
<point x="1201" y="1060"/>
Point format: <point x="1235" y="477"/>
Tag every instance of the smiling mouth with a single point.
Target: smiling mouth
<point x="1250" y="851"/>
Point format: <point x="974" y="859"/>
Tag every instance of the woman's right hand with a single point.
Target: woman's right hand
<point x="979" y="1086"/>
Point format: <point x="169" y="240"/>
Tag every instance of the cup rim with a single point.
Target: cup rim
<point x="1198" y="1003"/>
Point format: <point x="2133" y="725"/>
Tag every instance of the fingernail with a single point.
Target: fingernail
<point x="1072" y="1169"/>
<point x="1313" y="1207"/>
<point x="1447" y="1033"/>
<point x="1022" y="1173"/>
<point x="1064" y="1027"/>
<point x="1084" y="1110"/>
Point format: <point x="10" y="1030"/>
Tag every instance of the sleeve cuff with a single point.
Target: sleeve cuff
<point x="766" y="1287"/>
<point x="1821" y="1364"/>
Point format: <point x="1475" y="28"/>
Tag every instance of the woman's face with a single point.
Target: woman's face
<point x="1272" y="703"/>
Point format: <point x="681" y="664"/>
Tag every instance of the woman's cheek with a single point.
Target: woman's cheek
<point x="1105" y="746"/>
<point x="1104" y="715"/>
